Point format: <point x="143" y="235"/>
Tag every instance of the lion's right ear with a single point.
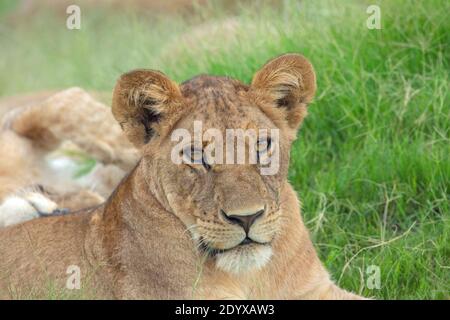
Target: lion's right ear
<point x="289" y="83"/>
<point x="140" y="99"/>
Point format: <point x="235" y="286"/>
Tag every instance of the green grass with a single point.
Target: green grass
<point x="371" y="164"/>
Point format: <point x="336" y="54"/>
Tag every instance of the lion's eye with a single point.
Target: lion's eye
<point x="192" y="155"/>
<point x="263" y="145"/>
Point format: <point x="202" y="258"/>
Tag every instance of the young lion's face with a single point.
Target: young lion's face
<point x="216" y="152"/>
<point x="231" y="209"/>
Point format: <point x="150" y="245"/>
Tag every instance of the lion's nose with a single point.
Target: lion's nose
<point x="242" y="218"/>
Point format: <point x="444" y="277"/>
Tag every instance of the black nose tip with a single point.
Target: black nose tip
<point x="245" y="221"/>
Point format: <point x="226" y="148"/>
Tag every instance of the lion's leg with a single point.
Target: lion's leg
<point x="336" y="293"/>
<point x="28" y="133"/>
<point x="329" y="291"/>
<point x="74" y="115"/>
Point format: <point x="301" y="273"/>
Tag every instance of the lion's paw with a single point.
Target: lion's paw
<point x="17" y="209"/>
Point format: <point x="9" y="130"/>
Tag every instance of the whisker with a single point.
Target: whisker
<point x="190" y="228"/>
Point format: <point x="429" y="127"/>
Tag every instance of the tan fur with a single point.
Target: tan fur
<point x="161" y="233"/>
<point x="34" y="125"/>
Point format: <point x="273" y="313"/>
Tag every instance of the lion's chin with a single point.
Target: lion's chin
<point x="244" y="258"/>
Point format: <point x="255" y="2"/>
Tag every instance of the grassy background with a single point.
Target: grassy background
<point x="371" y="164"/>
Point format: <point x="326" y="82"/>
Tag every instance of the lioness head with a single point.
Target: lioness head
<point x="230" y="206"/>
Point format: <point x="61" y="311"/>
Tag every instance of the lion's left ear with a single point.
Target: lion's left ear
<point x="289" y="82"/>
<point x="141" y="99"/>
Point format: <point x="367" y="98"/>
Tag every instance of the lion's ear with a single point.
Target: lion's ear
<point x="289" y="82"/>
<point x="140" y="99"/>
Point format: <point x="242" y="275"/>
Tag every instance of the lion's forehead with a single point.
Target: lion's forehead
<point x="221" y="102"/>
<point x="202" y="83"/>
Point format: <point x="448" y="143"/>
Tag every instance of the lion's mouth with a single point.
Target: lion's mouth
<point x="211" y="251"/>
<point x="246" y="241"/>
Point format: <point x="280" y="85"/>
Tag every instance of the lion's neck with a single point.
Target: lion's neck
<point x="135" y="231"/>
<point x="132" y="199"/>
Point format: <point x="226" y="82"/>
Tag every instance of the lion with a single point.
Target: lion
<point x="31" y="128"/>
<point x="191" y="230"/>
